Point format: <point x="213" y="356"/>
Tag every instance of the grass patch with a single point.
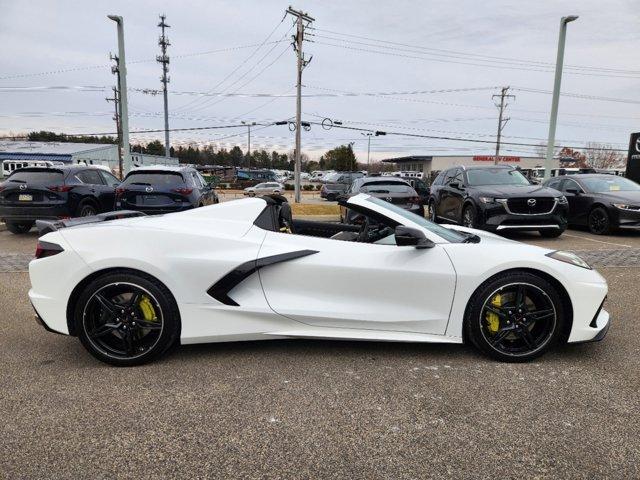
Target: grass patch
<point x="314" y="209"/>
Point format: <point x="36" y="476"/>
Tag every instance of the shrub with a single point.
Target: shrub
<point x="288" y="186"/>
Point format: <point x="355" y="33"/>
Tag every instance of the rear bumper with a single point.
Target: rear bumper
<point x="30" y="213"/>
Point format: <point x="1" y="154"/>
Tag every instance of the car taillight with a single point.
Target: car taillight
<point x="183" y="191"/>
<point x="47" y="249"/>
<point x="120" y="190"/>
<point x="60" y="188"/>
<point x="2" y="187"/>
<point x="415" y="200"/>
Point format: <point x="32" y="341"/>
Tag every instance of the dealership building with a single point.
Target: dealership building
<point x="435" y="163"/>
<point x="19" y="154"/>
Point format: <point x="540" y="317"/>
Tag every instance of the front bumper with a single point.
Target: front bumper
<point x="496" y="219"/>
<point x="598" y="328"/>
<point x="627" y="218"/>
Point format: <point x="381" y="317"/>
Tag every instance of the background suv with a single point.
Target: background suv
<point x="266" y="188"/>
<point x="393" y="190"/>
<point x="163" y="190"/>
<point x="497" y="198"/>
<point x="337" y="184"/>
<point x="33" y="193"/>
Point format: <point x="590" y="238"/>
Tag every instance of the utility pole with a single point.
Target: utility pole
<point x="163" y="41"/>
<point x="548" y="162"/>
<point x="122" y="88"/>
<point x="501" y="120"/>
<point x="249" y="125"/>
<point x="303" y="21"/>
<point x="115" y="99"/>
<point x="368" y="135"/>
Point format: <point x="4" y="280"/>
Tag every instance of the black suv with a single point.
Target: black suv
<point x="497" y="198"/>
<point x="163" y="190"/>
<point x="34" y="193"/>
<point x="391" y="189"/>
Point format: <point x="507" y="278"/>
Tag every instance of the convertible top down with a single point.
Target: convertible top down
<point x="133" y="287"/>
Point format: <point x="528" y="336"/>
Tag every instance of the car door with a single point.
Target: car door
<point x="579" y="201"/>
<point x="449" y="196"/>
<point x="111" y="181"/>
<point x="207" y="190"/>
<point x="335" y="284"/>
<point x="98" y="188"/>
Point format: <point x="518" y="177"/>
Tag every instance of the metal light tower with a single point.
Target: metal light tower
<point x="368" y="135"/>
<point x="249" y="125"/>
<point x="548" y="163"/>
<point x="124" y="110"/>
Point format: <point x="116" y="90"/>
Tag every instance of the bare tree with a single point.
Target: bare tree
<point x="600" y="155"/>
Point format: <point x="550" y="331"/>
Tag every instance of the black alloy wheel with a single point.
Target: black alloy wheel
<point x="126" y="319"/>
<point x="87" y="210"/>
<point x="515" y="317"/>
<point x="599" y="223"/>
<point x="469" y="217"/>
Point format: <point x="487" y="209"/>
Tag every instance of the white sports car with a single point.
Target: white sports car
<point x="245" y="270"/>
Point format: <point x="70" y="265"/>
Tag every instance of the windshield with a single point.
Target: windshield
<point x="609" y="184"/>
<point x="386" y="187"/>
<point x="159" y="179"/>
<point x="495" y="176"/>
<point x="42" y="177"/>
<point x="447" y="234"/>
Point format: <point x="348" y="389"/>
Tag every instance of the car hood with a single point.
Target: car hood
<point x="485" y="237"/>
<point x="632" y="198"/>
<point x="510" y="191"/>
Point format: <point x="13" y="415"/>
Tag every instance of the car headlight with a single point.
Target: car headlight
<point x="569" y="257"/>
<point x="492" y="200"/>
<point x="624" y="206"/>
<point x="562" y="200"/>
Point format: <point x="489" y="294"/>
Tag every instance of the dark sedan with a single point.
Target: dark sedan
<point x="155" y="190"/>
<point x="601" y="202"/>
<point x="36" y="193"/>
<point x="391" y="189"/>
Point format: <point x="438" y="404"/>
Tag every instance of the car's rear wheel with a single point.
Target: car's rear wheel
<point x="19" y="227"/>
<point x="599" y="222"/>
<point x="432" y="211"/>
<point x="126" y="319"/>
<point x="87" y="209"/>
<point x="514" y="317"/>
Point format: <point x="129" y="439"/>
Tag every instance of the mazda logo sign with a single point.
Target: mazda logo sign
<point x="532" y="202"/>
<point x="23" y="186"/>
<point x="148" y="189"/>
<point x="389" y="199"/>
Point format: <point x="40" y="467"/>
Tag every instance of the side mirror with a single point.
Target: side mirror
<point x="573" y="191"/>
<point x="455" y="185"/>
<point x="411" y="237"/>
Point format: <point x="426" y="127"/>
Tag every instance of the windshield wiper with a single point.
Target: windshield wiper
<point x="471" y="238"/>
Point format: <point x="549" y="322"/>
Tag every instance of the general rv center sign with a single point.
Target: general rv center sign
<point x="491" y="158"/>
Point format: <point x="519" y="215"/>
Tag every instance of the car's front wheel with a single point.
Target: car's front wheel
<point x="514" y="317"/>
<point x="126" y="319"/>
<point x="599" y="222"/>
<point x="469" y="217"/>
<point x="19" y="227"/>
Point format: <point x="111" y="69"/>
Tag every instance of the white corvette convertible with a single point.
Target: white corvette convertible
<point x="131" y="288"/>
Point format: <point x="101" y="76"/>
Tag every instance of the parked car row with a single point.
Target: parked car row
<point x="35" y="193"/>
<point x="501" y="198"/>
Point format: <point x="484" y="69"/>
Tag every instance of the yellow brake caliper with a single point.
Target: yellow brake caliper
<point x="493" y="322"/>
<point x="148" y="312"/>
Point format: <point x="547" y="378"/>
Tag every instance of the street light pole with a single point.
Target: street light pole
<point x="368" y="135"/>
<point x="548" y="163"/>
<point x="249" y="125"/>
<point x="124" y="109"/>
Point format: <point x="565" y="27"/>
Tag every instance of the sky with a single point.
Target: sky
<point x="421" y="69"/>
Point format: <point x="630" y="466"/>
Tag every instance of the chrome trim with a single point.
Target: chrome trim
<point x="532" y="227"/>
<point x="505" y="203"/>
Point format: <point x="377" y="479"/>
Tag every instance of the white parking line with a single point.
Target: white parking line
<point x="597" y="241"/>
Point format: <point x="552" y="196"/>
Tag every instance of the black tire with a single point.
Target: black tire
<point x="86" y="208"/>
<point x="469" y="217"/>
<point x="19" y="227"/>
<point x="432" y="211"/>
<point x="551" y="232"/>
<point x="520" y="334"/>
<point x="331" y="197"/>
<point x="116" y="332"/>
<point x="598" y="221"/>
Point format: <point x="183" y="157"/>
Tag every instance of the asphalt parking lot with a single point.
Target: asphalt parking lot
<point x="320" y="409"/>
